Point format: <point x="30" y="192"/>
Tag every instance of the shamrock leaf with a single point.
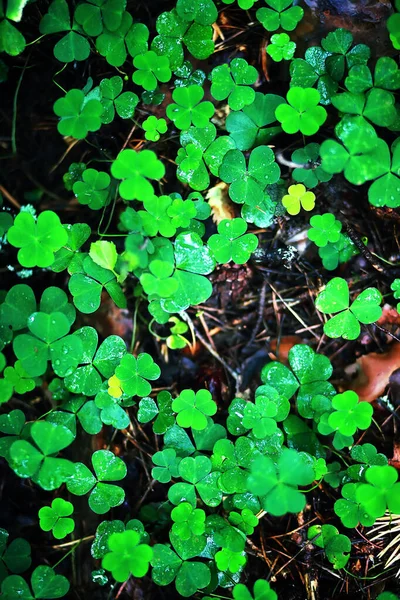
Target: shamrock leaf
<point x="55" y="518"/>
<point x="385" y="190"/>
<point x="324" y="229"/>
<point x="336" y="545"/>
<point x="232" y="243"/>
<point x="349" y="414"/>
<point x="246" y="520"/>
<point x="350" y="512"/>
<point x="103" y="496"/>
<point x="203" y="12"/>
<point x="174" y="32"/>
<point x="280" y="15"/>
<point x="166" y="467"/>
<point x="261" y="591"/>
<point x="154" y="127"/>
<point x="72" y="46"/>
<point x="309" y="173"/>
<point x="151" y="68"/>
<point x="128" y="37"/>
<point x="93" y="189"/>
<point x="114" y="101"/>
<point x="396" y="289"/>
<point x="69" y="256"/>
<point x="18" y="379"/>
<point x="281" y="47"/>
<point x="186" y="75"/>
<point x="155" y="218"/>
<point x="38" y="240"/>
<point x="197" y="472"/>
<point x="40" y="465"/>
<point x="78" y="115"/>
<point x="336" y="299"/>
<point x="298" y="198"/>
<point x="381" y="492"/>
<point x="339" y="252"/>
<point x="133" y="374"/>
<point x="188" y="521"/>
<point x="127" y="555"/>
<point x="248" y="182"/>
<point x="338" y="43"/>
<point x="228" y="560"/>
<point x="160" y="410"/>
<point x="189" y="109"/>
<point x="192" y="408"/>
<point x="313" y="70"/>
<point x="92" y="14"/>
<point x="189" y="576"/>
<point x="16" y="557"/>
<point x="302" y="112"/>
<point x="135" y="168"/>
<point x="12" y="42"/>
<point x="232" y="82"/>
<point x="44" y="581"/>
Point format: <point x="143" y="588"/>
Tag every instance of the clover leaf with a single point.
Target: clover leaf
<point x="14" y="557"/>
<point x="338" y="43"/>
<point x="232" y="243"/>
<point x="127" y="555"/>
<point x="44" y="582"/>
<point x="246" y="520"/>
<point x="380" y="492"/>
<point x="280" y="14"/>
<point x="376" y="106"/>
<point x="93" y="189"/>
<point x="166" y="467"/>
<point x="133" y="374"/>
<point x="153" y="128"/>
<point x="336" y="545"/>
<point x="114" y="101"/>
<point x="192" y="408"/>
<point x="349" y="414"/>
<point x="228" y="560"/>
<point x="297" y="198"/>
<point x="40" y="465"/>
<point x="12" y="42"/>
<point x="78" y="115"/>
<point x="385" y="190"/>
<point x="186" y="75"/>
<point x="313" y="70"/>
<point x="55" y="518"/>
<point x="68" y="257"/>
<point x="103" y="496"/>
<point x="396" y="289"/>
<point x="302" y="112"/>
<point x="38" y="240"/>
<point x="135" y="168"/>
<point x="188" y="108"/>
<point x="393" y="26"/>
<point x="247" y="183"/>
<point x="189" y="576"/>
<point x="310" y="173"/>
<point x="197" y="476"/>
<point x="72" y="46"/>
<point x="92" y="14"/>
<point x="161" y="411"/>
<point x="155" y="218"/>
<point x="350" y="512"/>
<point x="339" y="252"/>
<point x="187" y="521"/>
<point x="261" y="591"/>
<point x="232" y="82"/>
<point x="336" y="299"/>
<point x="281" y="47"/>
<point x="324" y="229"/>
<point x="277" y="485"/>
<point x="174" y="32"/>
<point x="18" y="380"/>
<point x="203" y="12"/>
<point x="128" y="37"/>
<point x="151" y="68"/>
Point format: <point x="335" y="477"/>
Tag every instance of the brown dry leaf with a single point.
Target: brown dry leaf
<point x="285" y="344"/>
<point x="390" y="316"/>
<point x="374" y="372"/>
<point x="220" y="203"/>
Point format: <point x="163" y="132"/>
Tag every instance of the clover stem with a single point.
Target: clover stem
<point x="134" y="324"/>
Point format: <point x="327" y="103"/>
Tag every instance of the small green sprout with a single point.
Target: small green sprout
<point x="232" y="82"/>
<point x="38" y="239"/>
<point x="176" y="340"/>
<point x="77" y="115"/>
<point x="153" y="128"/>
<point x="337" y="546"/>
<point x="189" y="109"/>
<point x="127" y="555"/>
<point x="232" y="243"/>
<point x="93" y="189"/>
<point x="297" y="198"/>
<point x="192" y="408"/>
<point x="55" y="518"/>
<point x="280" y="14"/>
<point x="151" y="69"/>
<point x="336" y="299"/>
<point x="135" y="168"/>
<point x="302" y="112"/>
<point x="324" y="229"/>
<point x="396" y="289"/>
<point x="281" y="47"/>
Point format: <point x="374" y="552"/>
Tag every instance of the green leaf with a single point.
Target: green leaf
<point x="135" y="168"/>
<point x="188" y="108"/>
<point x="77" y="115"/>
<point x="104" y="254"/>
<point x="192" y="408"/>
<point x="232" y="243"/>
<point x="302" y="112"/>
<point x="133" y="374"/>
<point x="127" y="556"/>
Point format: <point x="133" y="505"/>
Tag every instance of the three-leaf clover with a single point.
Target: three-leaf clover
<point x="297" y="198"/>
<point x="188" y="521"/>
<point x="324" y="229"/>
<point x="246" y="520"/>
<point x="127" y="555"/>
<point x="44" y="582"/>
<point x="336" y="299"/>
<point x="280" y="15"/>
<point x="380" y="492"/>
<point x="135" y="168"/>
<point x="71" y="46"/>
<point x="349" y="413"/>
<point x="167" y="464"/>
<point x="281" y="47"/>
<point x="159" y="280"/>
<point x="337" y="546"/>
<point x="232" y="243"/>
<point x="277" y="485"/>
<point x="232" y="82"/>
<point x="188" y="108"/>
<point x="193" y="408"/>
<point x="14" y="557"/>
<point x="151" y="68"/>
<point x="38" y="239"/>
<point x="154" y="127"/>
<point x="247" y="183"/>
<point x="189" y="576"/>
<point x="396" y="289"/>
<point x="310" y="172"/>
<point x="78" y="115"/>
<point x="133" y="374"/>
<point x="103" y="496"/>
<point x="203" y="12"/>
<point x="93" y="189"/>
<point x="114" y="101"/>
<point x="161" y="411"/>
<point x="56" y="518"/>
<point x="128" y="37"/>
<point x="302" y="112"/>
<point x="261" y="591"/>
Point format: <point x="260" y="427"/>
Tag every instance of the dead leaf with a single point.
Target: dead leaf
<point x="374" y="371"/>
<point x="220" y="203"/>
<point x="285" y="344"/>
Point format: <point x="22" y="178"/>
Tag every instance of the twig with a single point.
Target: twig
<point x="294" y="313"/>
<point x="362" y="248"/>
<point x="9" y="197"/>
